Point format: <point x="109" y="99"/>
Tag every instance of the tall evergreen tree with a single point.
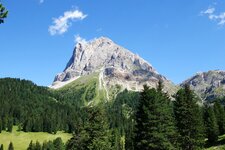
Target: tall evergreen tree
<point x="10" y="146"/>
<point x="58" y="143"/>
<point x="189" y="119"/>
<point x="37" y="146"/>
<point x="3" y="13"/>
<point x="31" y="146"/>
<point x="211" y="127"/>
<point x="95" y="133"/>
<point x="10" y="125"/>
<point x="155" y="128"/>
<point x="1" y="148"/>
<point x="220" y="116"/>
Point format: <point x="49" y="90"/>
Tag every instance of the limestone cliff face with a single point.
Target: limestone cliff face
<point x="115" y="65"/>
<point x="208" y="85"/>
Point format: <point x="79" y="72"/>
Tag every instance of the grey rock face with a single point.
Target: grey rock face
<point x="117" y="64"/>
<point x="208" y="85"/>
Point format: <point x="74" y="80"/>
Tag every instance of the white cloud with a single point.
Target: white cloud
<point x="79" y="39"/>
<point x="209" y="11"/>
<point x="219" y="18"/>
<point x="62" y="23"/>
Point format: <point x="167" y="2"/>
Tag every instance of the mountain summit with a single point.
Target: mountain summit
<point x="208" y="85"/>
<point x="114" y="65"/>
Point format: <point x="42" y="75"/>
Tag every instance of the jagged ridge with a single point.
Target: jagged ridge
<point x="115" y="65"/>
<point x="208" y="85"/>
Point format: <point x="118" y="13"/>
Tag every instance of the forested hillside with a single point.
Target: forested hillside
<point x="33" y="108"/>
<point x="149" y="119"/>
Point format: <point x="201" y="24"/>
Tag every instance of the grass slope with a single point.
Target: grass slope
<point x="21" y="139"/>
<point x="83" y="91"/>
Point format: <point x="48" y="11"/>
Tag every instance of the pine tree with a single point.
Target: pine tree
<point x="95" y="133"/>
<point x="10" y="146"/>
<point x="31" y="146"/>
<point x="37" y="146"/>
<point x="45" y="146"/>
<point x="1" y="148"/>
<point x="3" y="13"/>
<point x="189" y="120"/>
<point x="155" y="128"/>
<point x="58" y="143"/>
<point x="50" y="146"/>
<point x="10" y="125"/>
<point x="220" y="116"/>
<point x="211" y="127"/>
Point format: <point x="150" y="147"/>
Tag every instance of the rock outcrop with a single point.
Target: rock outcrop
<point x="208" y="85"/>
<point x="115" y="65"/>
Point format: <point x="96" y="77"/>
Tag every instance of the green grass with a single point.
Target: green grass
<point x="21" y="139"/>
<point x="89" y="87"/>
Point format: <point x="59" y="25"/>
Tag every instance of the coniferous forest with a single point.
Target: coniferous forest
<point x="146" y="120"/>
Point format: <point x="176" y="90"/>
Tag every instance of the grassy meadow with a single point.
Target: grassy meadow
<point x="21" y="139"/>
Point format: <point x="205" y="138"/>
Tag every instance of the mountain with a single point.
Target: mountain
<point x="208" y="85"/>
<point x="112" y="65"/>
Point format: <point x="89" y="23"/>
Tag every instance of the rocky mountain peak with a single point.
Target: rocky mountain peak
<point x="208" y="85"/>
<point x="115" y="65"/>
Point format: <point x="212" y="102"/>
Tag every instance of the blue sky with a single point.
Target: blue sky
<point x="179" y="38"/>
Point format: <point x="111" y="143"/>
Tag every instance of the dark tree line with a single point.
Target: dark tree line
<point x="56" y="144"/>
<point x="34" y="108"/>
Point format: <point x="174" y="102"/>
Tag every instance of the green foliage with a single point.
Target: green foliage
<point x="37" y="146"/>
<point x="132" y="120"/>
<point x="94" y="134"/>
<point x="121" y="113"/>
<point x="31" y="146"/>
<point x="155" y="128"/>
<point x="1" y="148"/>
<point x="34" y="108"/>
<point x="211" y="127"/>
<point x="80" y="92"/>
<point x="10" y="146"/>
<point x="189" y="120"/>
<point x="220" y="117"/>
<point x="56" y="144"/>
<point x="3" y="13"/>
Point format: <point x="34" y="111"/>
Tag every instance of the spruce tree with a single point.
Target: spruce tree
<point x="44" y="145"/>
<point x="37" y="146"/>
<point x="31" y="146"/>
<point x="155" y="128"/>
<point x="189" y="119"/>
<point x="3" y="13"/>
<point x="211" y="127"/>
<point x="1" y="148"/>
<point x="220" y="116"/>
<point x="94" y="134"/>
<point x="58" y="143"/>
<point x="10" y="146"/>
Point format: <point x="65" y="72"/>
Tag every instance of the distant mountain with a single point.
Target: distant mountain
<point x="208" y="85"/>
<point x="112" y="65"/>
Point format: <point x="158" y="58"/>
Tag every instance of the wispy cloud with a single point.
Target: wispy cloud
<point x="79" y="39"/>
<point x="62" y="23"/>
<point x="219" y="18"/>
<point x="209" y="11"/>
